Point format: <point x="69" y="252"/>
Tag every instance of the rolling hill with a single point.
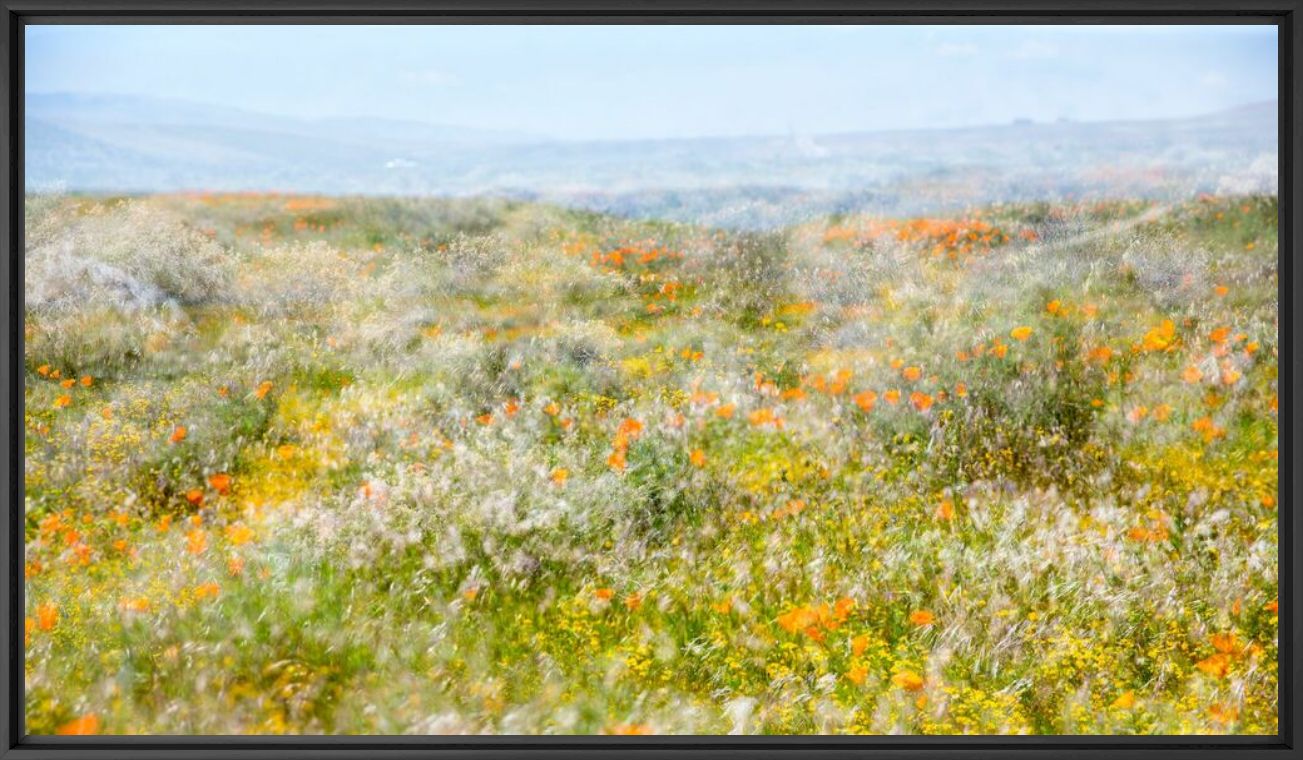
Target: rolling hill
<point x="118" y="144"/>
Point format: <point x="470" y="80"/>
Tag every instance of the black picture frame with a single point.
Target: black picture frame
<point x="15" y="15"/>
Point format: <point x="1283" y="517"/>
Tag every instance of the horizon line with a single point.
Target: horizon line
<point x="543" y="139"/>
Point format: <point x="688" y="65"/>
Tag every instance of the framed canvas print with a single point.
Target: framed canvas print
<point x="432" y="379"/>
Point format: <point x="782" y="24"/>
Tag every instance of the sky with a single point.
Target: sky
<point x="650" y="82"/>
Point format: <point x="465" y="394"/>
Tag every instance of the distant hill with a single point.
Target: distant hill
<point x="97" y="143"/>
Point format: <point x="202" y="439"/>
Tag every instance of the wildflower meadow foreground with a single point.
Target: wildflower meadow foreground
<point x="368" y="466"/>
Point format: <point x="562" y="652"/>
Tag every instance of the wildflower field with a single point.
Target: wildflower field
<point x="370" y="466"/>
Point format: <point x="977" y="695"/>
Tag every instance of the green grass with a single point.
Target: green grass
<point x="505" y="468"/>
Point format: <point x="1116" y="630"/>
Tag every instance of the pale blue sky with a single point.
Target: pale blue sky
<point x="584" y="82"/>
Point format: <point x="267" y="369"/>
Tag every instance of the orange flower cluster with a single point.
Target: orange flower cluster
<point x="1155" y="532"/>
<point x="1161" y="338"/>
<point x="816" y="621"/>
<point x="64" y="400"/>
<point x="948" y="237"/>
<point x="628" y="431"/>
<point x="834" y="386"/>
<point x="1228" y="650"/>
<point x="640" y="254"/>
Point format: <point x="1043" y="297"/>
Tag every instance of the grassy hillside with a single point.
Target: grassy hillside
<point x="317" y="465"/>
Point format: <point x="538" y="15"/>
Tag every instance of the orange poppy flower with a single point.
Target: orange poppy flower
<point x="1226" y="643"/>
<point x="1217" y="665"/>
<point x="134" y="604"/>
<point x="178" y="434"/>
<point x="840" y="381"/>
<point x="797" y="619"/>
<point x="1100" y="354"/>
<point x="84" y="726"/>
<point x="1206" y="427"/>
<point x="238" y="534"/>
<point x="865" y="400"/>
<point x="922" y="617"/>
<point x="196" y="541"/>
<point x="629" y="428"/>
<point x="1160" y="338"/>
<point x="908" y="680"/>
<point x="1223" y="713"/>
<point x="792" y="507"/>
<point x="220" y="482"/>
<point x="47" y="616"/>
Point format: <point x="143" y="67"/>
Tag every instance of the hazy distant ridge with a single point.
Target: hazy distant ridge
<point x="102" y="143"/>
